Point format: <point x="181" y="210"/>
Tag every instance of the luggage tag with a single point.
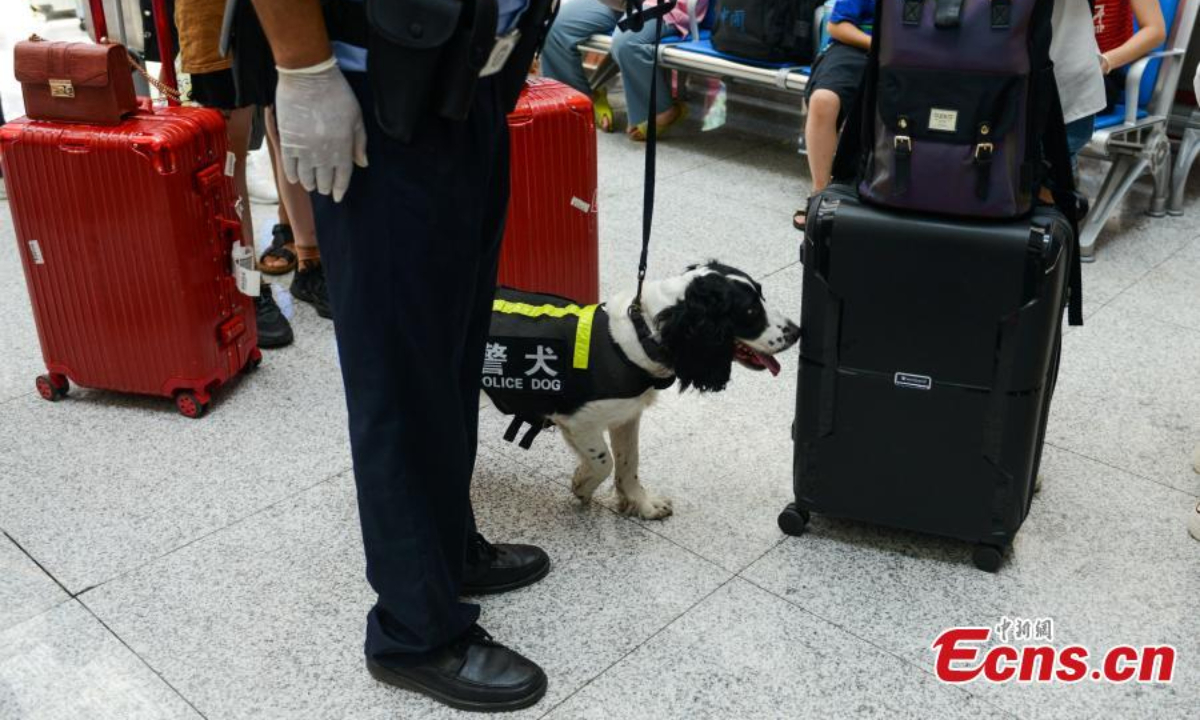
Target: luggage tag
<point x="500" y="52"/>
<point x="249" y="280"/>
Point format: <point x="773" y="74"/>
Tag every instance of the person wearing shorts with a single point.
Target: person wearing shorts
<point x="237" y="95"/>
<point x="836" y="80"/>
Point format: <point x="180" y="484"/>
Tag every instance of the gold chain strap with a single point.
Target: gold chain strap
<point x="158" y="85"/>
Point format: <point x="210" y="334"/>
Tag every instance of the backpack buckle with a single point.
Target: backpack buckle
<point x="984" y="151"/>
<point x="903" y="144"/>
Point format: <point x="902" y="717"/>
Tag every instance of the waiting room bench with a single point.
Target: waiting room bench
<point x="1132" y="138"/>
<point x="698" y="56"/>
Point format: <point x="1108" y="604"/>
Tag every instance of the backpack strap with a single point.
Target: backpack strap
<point x="984" y="150"/>
<point x="1062" y="186"/>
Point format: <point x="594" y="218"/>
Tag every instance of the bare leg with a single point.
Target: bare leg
<point x="295" y="204"/>
<point x="272" y="146"/>
<point x="820" y="136"/>
<point x="632" y="497"/>
<point x="239" y="124"/>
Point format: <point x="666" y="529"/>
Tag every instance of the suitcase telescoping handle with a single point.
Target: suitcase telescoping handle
<point x="166" y="46"/>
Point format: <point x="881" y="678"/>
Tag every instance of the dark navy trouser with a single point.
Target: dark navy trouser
<point x="411" y="255"/>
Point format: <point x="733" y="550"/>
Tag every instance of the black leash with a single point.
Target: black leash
<point x="635" y="19"/>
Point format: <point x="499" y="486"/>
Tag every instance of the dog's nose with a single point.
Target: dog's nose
<point x="791" y="332"/>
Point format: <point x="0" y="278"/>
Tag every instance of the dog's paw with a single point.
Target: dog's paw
<point x="584" y="485"/>
<point x="646" y="506"/>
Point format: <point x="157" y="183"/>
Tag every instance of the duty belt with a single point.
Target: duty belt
<point x="347" y="23"/>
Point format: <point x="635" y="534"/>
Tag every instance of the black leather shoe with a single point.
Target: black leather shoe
<point x="473" y="673"/>
<point x="495" y="569"/>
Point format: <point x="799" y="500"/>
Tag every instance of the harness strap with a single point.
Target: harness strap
<point x="536" y="426"/>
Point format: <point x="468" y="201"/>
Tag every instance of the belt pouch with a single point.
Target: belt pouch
<point x="407" y="42"/>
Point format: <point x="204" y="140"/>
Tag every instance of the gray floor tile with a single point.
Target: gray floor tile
<point x="63" y="665"/>
<point x="1127" y="395"/>
<point x="1103" y="553"/>
<point x="1169" y="292"/>
<point x="687" y="147"/>
<point x="21" y="360"/>
<point x="772" y="178"/>
<point x="264" y="619"/>
<point x="744" y="653"/>
<point x="22" y="356"/>
<point x="1132" y="245"/>
<point x="100" y="483"/>
<point x="26" y="591"/>
<point x="691" y="227"/>
<point x="725" y="460"/>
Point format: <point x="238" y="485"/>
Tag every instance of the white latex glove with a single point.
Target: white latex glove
<point x="321" y="132"/>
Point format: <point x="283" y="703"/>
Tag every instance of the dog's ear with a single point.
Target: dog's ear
<point x="697" y="334"/>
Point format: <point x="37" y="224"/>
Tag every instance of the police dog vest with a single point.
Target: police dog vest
<point x="548" y="356"/>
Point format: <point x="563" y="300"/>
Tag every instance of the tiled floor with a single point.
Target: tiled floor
<point x="155" y="567"/>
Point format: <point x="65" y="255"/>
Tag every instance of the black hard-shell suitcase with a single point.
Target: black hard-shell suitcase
<point x="928" y="357"/>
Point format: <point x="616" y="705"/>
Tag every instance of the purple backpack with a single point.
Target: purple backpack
<point x="957" y="97"/>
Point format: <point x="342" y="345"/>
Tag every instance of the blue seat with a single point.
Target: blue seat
<point x="704" y="46"/>
<point x="1133" y="136"/>
<point x="1116" y="117"/>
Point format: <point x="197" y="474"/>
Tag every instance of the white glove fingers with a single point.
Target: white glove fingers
<point x="325" y="175"/>
<point x="307" y="173"/>
<point x="360" y="145"/>
<point x="291" y="168"/>
<point x="341" y="182"/>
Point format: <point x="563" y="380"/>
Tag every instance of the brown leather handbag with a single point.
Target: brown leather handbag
<point x="75" y="82"/>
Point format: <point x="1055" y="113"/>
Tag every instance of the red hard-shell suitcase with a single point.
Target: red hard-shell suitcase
<point x="551" y="244"/>
<point x="125" y="235"/>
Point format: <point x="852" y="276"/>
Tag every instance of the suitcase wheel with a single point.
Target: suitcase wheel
<point x="189" y="405"/>
<point x="53" y="387"/>
<point x="254" y="361"/>
<point x="793" y="520"/>
<point x="988" y="557"/>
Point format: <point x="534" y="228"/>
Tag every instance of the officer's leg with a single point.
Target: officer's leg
<point x="634" y="53"/>
<point x="576" y="21"/>
<point x="500" y="567"/>
<point x="403" y="258"/>
<point x="491" y="235"/>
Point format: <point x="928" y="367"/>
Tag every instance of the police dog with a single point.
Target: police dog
<point x="693" y="328"/>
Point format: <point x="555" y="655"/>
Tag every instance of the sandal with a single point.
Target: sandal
<point x="800" y="219"/>
<point x="605" y="120"/>
<point x="281" y="238"/>
<point x="638" y="132"/>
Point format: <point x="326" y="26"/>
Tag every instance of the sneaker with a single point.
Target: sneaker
<point x="274" y="330"/>
<point x="308" y="285"/>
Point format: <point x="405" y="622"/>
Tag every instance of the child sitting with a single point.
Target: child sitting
<point x="836" y="79"/>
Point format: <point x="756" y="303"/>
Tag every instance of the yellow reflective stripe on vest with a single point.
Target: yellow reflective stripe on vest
<point x="583" y="329"/>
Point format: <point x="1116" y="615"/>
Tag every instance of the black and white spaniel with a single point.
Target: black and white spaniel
<point x="691" y="329"/>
